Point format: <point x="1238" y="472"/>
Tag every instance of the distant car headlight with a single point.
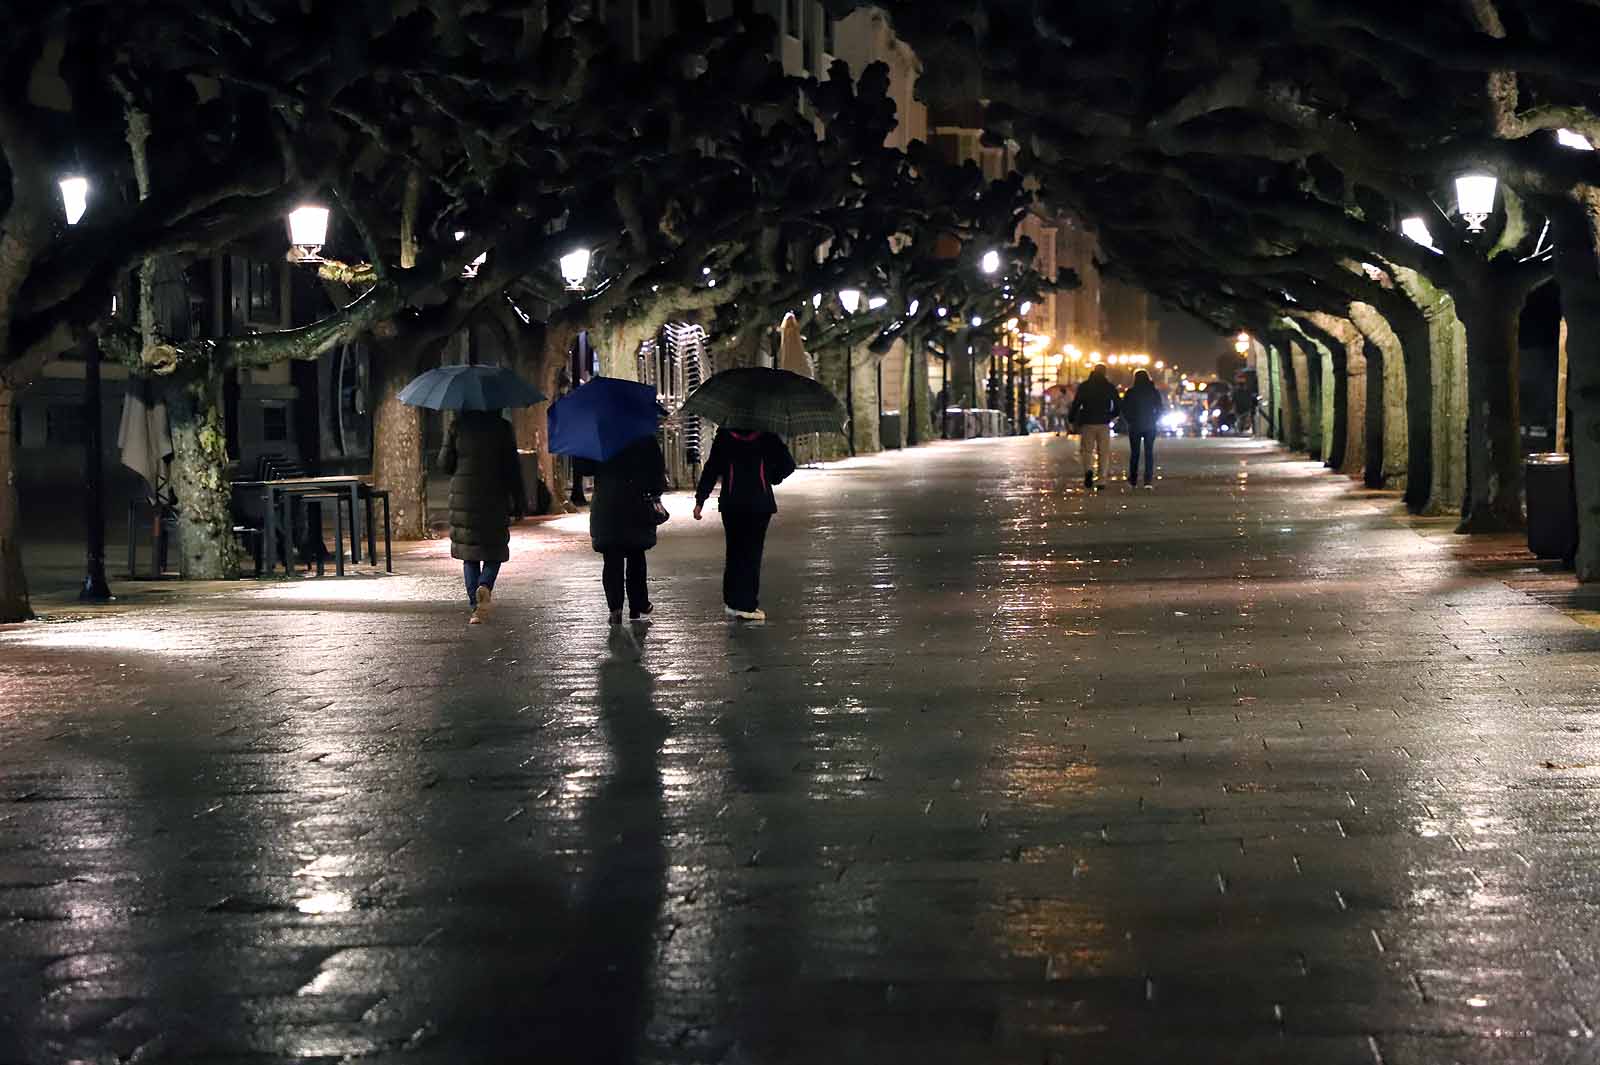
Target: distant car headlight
<point x="1173" y="419"/>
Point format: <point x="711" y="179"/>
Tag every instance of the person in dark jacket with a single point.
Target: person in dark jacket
<point x="747" y="464"/>
<point x="1093" y="410"/>
<point x="1142" y="407"/>
<point x="622" y="520"/>
<point x="486" y="492"/>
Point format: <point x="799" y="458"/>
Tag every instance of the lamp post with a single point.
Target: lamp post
<point x="75" y="200"/>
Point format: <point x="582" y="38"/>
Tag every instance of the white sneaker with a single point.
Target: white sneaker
<point x="744" y="615"/>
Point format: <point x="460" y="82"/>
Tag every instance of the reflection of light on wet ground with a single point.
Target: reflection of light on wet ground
<point x="325" y="902"/>
<point x="98" y="636"/>
<point x="386" y="590"/>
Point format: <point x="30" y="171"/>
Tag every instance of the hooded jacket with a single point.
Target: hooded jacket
<point x="747" y="464"/>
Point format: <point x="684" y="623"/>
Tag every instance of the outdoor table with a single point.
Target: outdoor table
<point x="339" y="488"/>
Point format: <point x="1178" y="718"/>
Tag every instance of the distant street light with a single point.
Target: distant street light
<point x="912" y="310"/>
<point x="944" y="312"/>
<point x="1415" y="228"/>
<point x="877" y="303"/>
<point x="991" y="262"/>
<point x="1241" y="344"/>
<point x="75" y="197"/>
<point x="850" y="299"/>
<point x="976" y="321"/>
<point x="575" y="268"/>
<point x="1027" y="305"/>
<point x="1475" y="198"/>
<point x="308" y="232"/>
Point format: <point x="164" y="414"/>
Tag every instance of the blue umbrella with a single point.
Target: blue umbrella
<point x="599" y="418"/>
<point x="470" y="388"/>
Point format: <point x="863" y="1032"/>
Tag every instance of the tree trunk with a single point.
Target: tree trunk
<point x="1309" y="419"/>
<point x="542" y="365"/>
<point x="1447" y="365"/>
<point x="14" y="604"/>
<point x="398" y="464"/>
<point x="1578" y="270"/>
<point x="200" y="479"/>
<point x="1492" y="318"/>
<point x="868" y="436"/>
<point x="1329" y="398"/>
<point x="1348" y="445"/>
<point x="1395" y="459"/>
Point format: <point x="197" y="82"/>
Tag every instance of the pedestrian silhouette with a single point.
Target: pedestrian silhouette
<point x="1142" y="407"/>
<point x="1093" y="410"/>
<point x="747" y="464"/>
<point x="623" y="520"/>
<point x="486" y="492"/>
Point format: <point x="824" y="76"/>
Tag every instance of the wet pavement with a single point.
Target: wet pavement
<point x="1238" y="770"/>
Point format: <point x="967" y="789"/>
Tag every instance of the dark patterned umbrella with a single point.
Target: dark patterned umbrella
<point x="775" y="401"/>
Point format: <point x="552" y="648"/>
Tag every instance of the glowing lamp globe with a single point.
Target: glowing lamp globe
<point x="75" y="197"/>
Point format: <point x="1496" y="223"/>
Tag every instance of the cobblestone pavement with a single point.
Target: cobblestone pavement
<point x="1238" y="770"/>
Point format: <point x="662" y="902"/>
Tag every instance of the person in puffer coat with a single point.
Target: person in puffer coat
<point x="748" y="464"/>
<point x="486" y="493"/>
<point x="622" y="521"/>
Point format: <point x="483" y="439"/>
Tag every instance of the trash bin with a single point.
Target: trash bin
<point x="1552" y="506"/>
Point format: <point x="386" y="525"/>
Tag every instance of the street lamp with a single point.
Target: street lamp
<point x="912" y="310"/>
<point x="1027" y="305"/>
<point x="1415" y="228"/>
<point x="990" y="262"/>
<point x="308" y="232"/>
<point x="976" y="321"/>
<point x="74" y="197"/>
<point x="1475" y="198"/>
<point x="877" y="303"/>
<point x="850" y="299"/>
<point x="1241" y="343"/>
<point x="575" y="267"/>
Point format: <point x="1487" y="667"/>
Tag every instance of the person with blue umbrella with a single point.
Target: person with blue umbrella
<point x="480" y="455"/>
<point x="608" y="426"/>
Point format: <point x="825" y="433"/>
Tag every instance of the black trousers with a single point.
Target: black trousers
<point x="1139" y="440"/>
<point x="746" y="535"/>
<point x="625" y="568"/>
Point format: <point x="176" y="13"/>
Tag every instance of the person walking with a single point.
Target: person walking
<point x="623" y="520"/>
<point x="748" y="464"/>
<point x="1093" y="410"/>
<point x="486" y="494"/>
<point x="1142" y="407"/>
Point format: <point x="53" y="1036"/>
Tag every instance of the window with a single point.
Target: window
<point x="793" y="23"/>
<point x="274" y="423"/>
<point x="830" y="43"/>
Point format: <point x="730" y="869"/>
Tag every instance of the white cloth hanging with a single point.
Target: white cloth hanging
<point x="144" y="438"/>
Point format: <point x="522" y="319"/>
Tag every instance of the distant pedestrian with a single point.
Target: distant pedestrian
<point x="1142" y="407"/>
<point x="623" y="520"/>
<point x="747" y="464"/>
<point x="1093" y="410"/>
<point x="486" y="494"/>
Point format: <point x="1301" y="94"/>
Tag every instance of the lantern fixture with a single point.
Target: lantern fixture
<point x="1475" y="198"/>
<point x="976" y="321"/>
<point x="1027" y="305"/>
<point x="74" y="197"/>
<point x="912" y="310"/>
<point x="308" y="232"/>
<point x="816" y="301"/>
<point x="944" y="312"/>
<point x="877" y="303"/>
<point x="990" y="262"/>
<point x="575" y="268"/>
<point x="850" y="300"/>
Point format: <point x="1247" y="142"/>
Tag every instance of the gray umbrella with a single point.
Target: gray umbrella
<point x="775" y="401"/>
<point x="470" y="388"/>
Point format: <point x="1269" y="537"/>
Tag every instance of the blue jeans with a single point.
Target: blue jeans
<point x="479" y="575"/>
